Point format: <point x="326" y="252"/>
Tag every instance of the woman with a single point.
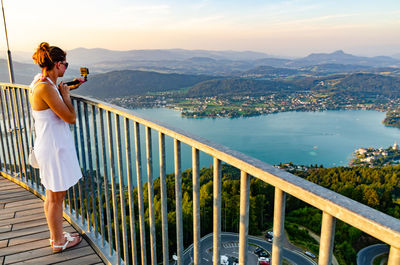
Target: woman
<point x="53" y="111"/>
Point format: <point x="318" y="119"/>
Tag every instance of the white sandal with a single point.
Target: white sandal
<point x="69" y="239"/>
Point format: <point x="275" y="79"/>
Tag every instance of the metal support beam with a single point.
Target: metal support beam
<point x="217" y="212"/>
<point x="196" y="207"/>
<point x="327" y="239"/>
<point x="279" y="224"/>
<point x="394" y="256"/>
<point x="244" y="216"/>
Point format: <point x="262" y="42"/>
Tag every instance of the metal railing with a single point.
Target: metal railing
<point x="104" y="136"/>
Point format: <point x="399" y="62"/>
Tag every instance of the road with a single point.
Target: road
<point x="367" y="255"/>
<point x="230" y="246"/>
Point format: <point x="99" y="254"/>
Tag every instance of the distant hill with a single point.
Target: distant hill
<point x="129" y="83"/>
<point x="237" y="86"/>
<point x="339" y="57"/>
<point x="93" y="56"/>
<point x="358" y="84"/>
<point x="23" y="73"/>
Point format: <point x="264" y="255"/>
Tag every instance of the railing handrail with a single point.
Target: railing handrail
<point x="377" y="224"/>
<point x="367" y="219"/>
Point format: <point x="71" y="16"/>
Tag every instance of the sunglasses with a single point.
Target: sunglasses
<point x="65" y="64"/>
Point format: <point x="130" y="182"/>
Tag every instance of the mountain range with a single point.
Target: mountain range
<point x="137" y="72"/>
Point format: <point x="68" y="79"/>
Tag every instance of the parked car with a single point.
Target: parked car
<point x="258" y="250"/>
<point x="270" y="239"/>
<point x="263" y="254"/>
<point x="269" y="234"/>
<point x="233" y="261"/>
<point x="308" y="253"/>
<point x="263" y="261"/>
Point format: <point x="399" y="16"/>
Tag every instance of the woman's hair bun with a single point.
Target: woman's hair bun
<point x="46" y="56"/>
<point x="44" y="46"/>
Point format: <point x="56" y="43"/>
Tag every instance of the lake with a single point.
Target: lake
<point x="328" y="137"/>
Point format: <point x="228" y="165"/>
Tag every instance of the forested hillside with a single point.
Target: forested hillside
<point x="130" y="83"/>
<point x="377" y="187"/>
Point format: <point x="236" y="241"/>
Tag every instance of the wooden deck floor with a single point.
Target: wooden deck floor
<point x="24" y="233"/>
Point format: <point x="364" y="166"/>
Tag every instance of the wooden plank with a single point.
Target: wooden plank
<point x="37" y="205"/>
<point x="6" y="215"/>
<point x="11" y="250"/>
<point x="30" y="212"/>
<point x="5" y="228"/>
<point x="45" y="255"/>
<point x="3" y="243"/>
<point x="38" y="236"/>
<point x="23" y="232"/>
<point x="18" y="199"/>
<point x="17" y="193"/>
<point x="86" y="260"/>
<point x="20" y="203"/>
<point x="22" y="219"/>
<point x="31" y="224"/>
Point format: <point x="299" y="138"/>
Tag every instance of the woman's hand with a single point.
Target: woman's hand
<point x="64" y="89"/>
<point x="81" y="81"/>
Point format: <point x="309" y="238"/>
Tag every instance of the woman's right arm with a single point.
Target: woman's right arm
<point x="62" y="107"/>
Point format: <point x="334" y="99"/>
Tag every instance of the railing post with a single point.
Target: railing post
<point x="113" y="187"/>
<point x="130" y="192"/>
<point x="140" y="193"/>
<point x="327" y="239"/>
<point x="163" y="188"/>
<point x="244" y="216"/>
<point x="394" y="256"/>
<point x="196" y="206"/>
<point x="121" y="190"/>
<point x="279" y="224"/>
<point x="149" y="154"/>
<point x="178" y="195"/>
<point x="217" y="211"/>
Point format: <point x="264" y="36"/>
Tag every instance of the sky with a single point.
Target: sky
<point x="292" y="28"/>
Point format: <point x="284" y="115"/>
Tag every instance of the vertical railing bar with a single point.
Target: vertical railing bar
<point x="151" y="196"/>
<point x="140" y="192"/>
<point x="77" y="145"/>
<point x="163" y="188"/>
<point x="76" y="193"/>
<point x="3" y="132"/>
<point x="113" y="188"/>
<point x="196" y="206"/>
<point x="30" y="136"/>
<point x="90" y="167"/>
<point x="99" y="193"/>
<point x="23" y="109"/>
<point x="83" y="160"/>
<point x="244" y="216"/>
<point x="278" y="227"/>
<point x="327" y="239"/>
<point x="178" y="201"/>
<point x="394" y="256"/>
<point x="17" y="134"/>
<point x="6" y="117"/>
<point x="10" y="128"/>
<point x="19" y="112"/>
<point x="130" y="192"/>
<point x="105" y="169"/>
<point x="121" y="189"/>
<point x="217" y="211"/>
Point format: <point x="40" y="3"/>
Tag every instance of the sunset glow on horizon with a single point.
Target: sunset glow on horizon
<point x="286" y="28"/>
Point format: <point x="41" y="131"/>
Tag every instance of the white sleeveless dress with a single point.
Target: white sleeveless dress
<point x="54" y="148"/>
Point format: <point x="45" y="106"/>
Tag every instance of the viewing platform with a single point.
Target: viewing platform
<point x="125" y="219"/>
<point x="24" y="234"/>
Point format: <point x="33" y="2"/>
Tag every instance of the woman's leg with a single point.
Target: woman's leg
<point x="54" y="214"/>
<point x="53" y="210"/>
